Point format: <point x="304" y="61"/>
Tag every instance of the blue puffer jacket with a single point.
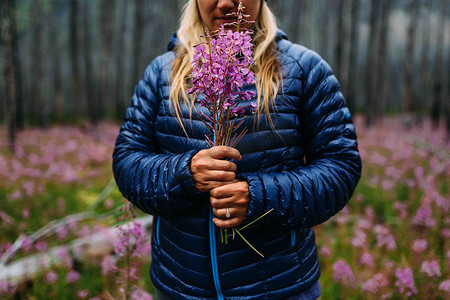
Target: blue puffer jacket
<point x="306" y="171"/>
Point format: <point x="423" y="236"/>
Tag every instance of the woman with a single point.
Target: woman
<point x="299" y="158"/>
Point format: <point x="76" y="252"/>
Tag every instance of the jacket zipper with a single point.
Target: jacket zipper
<point x="158" y="218"/>
<point x="212" y="245"/>
<point x="293" y="237"/>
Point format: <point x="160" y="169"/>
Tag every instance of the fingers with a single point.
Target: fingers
<point x="234" y="196"/>
<point x="228" y="223"/>
<point x="208" y="185"/>
<point x="237" y="187"/>
<point x="210" y="170"/>
<point x="220" y="152"/>
<point x="235" y="212"/>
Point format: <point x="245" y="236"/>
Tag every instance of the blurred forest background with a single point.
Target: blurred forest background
<point x="68" y="69"/>
<point x="68" y="60"/>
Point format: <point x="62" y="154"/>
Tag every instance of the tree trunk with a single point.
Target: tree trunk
<point x="107" y="17"/>
<point x="296" y="25"/>
<point x="324" y="39"/>
<point x="352" y="81"/>
<point x="424" y="60"/>
<point x="119" y="88"/>
<point x="371" y="63"/>
<point x="92" y="104"/>
<point x="438" y="84"/>
<point x="56" y="67"/>
<point x="408" y="80"/>
<point x="77" y="100"/>
<point x="339" y="45"/>
<point x="382" y="62"/>
<point x="138" y="25"/>
<point x="17" y="69"/>
<point x="6" y="15"/>
<point x="36" y="14"/>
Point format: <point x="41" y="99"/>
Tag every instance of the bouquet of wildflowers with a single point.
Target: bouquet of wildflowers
<point x="221" y="69"/>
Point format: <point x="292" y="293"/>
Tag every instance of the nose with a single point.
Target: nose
<point x="225" y="4"/>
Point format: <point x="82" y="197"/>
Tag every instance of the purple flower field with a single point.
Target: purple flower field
<point x="390" y="242"/>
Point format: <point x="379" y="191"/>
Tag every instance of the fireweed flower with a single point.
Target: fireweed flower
<point x="108" y="265"/>
<point x="72" y="276"/>
<point x="419" y="246"/>
<point x="343" y="273"/>
<point x="51" y="277"/>
<point x="445" y="286"/>
<point x="375" y="283"/>
<point x="220" y="70"/>
<point x="431" y="268"/>
<point x="405" y="281"/>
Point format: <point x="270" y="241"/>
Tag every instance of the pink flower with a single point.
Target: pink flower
<point x="374" y="284"/>
<point x="109" y="203"/>
<point x="445" y="286"/>
<point x="108" y="265"/>
<point x="431" y="268"/>
<point x="343" y="273"/>
<point x="445" y="233"/>
<point x="82" y="294"/>
<point x="26" y="213"/>
<point x="72" y="276"/>
<point x="7" y="288"/>
<point x="40" y="246"/>
<point x="424" y="216"/>
<point x="51" y="277"/>
<point x="139" y="294"/>
<point x="402" y="209"/>
<point x="419" y="246"/>
<point x="359" y="239"/>
<point x="325" y="251"/>
<point x="405" y="281"/>
<point x="26" y="243"/>
<point x="63" y="254"/>
<point x="370" y="212"/>
<point x="366" y="259"/>
<point x="62" y="233"/>
<point x="385" y="238"/>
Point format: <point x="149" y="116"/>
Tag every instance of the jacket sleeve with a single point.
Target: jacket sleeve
<point x="156" y="183"/>
<point x="311" y="194"/>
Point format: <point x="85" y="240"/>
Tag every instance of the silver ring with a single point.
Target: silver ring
<point x="228" y="215"/>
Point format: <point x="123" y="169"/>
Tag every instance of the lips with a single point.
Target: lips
<point x="226" y="19"/>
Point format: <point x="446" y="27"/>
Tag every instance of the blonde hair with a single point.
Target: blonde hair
<point x="267" y="68"/>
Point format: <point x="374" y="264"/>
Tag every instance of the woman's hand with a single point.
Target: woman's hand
<point x="234" y="196"/>
<point x="210" y="170"/>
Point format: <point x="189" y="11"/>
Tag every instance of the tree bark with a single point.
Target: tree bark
<point x="296" y="23"/>
<point x="382" y="62"/>
<point x="138" y="25"/>
<point x="92" y="104"/>
<point x="339" y="45"/>
<point x="424" y="59"/>
<point x="56" y="67"/>
<point x="107" y="17"/>
<point x="352" y="81"/>
<point x="119" y="87"/>
<point x="371" y="63"/>
<point x="36" y="14"/>
<point x="77" y="101"/>
<point x="324" y="39"/>
<point x="6" y="15"/>
<point x="438" y="84"/>
<point x="17" y="69"/>
<point x="408" y="80"/>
